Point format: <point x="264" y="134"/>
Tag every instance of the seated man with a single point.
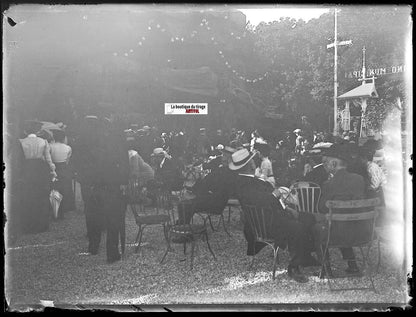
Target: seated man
<point x="213" y="191"/>
<point x="289" y="232"/>
<point x="343" y="185"/>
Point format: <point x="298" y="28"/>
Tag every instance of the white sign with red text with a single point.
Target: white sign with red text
<point x="186" y="108"/>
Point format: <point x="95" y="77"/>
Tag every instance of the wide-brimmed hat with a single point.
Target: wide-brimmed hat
<point x="339" y="151"/>
<point x="146" y="127"/>
<point x="297" y="130"/>
<point x="158" y="152"/>
<point x="240" y="158"/>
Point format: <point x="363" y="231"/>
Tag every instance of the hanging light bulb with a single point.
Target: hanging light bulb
<point x="131" y="51"/>
<point x="201" y="24"/>
<point x="212" y="38"/>
<point x="140" y="43"/>
<point x="149" y="28"/>
<point x="208" y="28"/>
<point x="125" y="54"/>
<point x="232" y="33"/>
<point x="115" y="54"/>
<point x="172" y="39"/>
<point x="143" y="38"/>
<point x="220" y="52"/>
<point x="182" y="39"/>
<point x="158" y="26"/>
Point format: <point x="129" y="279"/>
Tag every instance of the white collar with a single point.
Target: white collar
<point x="32" y="135"/>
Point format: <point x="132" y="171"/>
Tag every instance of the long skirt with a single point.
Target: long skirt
<point x="35" y="208"/>
<point x="64" y="186"/>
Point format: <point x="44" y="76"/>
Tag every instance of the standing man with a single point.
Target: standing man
<point x="102" y="165"/>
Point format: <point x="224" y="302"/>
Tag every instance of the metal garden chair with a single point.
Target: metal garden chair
<point x="352" y="229"/>
<point x="143" y="215"/>
<point x="308" y="195"/>
<point x="180" y="232"/>
<point x="261" y="222"/>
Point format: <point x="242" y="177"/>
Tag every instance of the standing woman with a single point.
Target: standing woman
<point x="61" y="153"/>
<point x="37" y="173"/>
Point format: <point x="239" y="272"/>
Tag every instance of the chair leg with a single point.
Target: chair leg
<point x="137" y="238"/>
<point x="225" y="227"/>
<point x="379" y="255"/>
<point x="275" y="259"/>
<point x="140" y="240"/>
<point x="367" y="264"/>
<point x="252" y="262"/>
<point x="166" y="252"/>
<point x="210" y="223"/>
<point x="209" y="247"/>
<point x="192" y="253"/>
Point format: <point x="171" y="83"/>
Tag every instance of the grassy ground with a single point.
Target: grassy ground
<point x="51" y="266"/>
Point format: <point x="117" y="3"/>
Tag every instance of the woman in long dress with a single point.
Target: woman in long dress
<point x="37" y="172"/>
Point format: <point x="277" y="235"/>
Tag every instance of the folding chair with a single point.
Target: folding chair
<point x="308" y="195"/>
<point x="143" y="215"/>
<point x="261" y="223"/>
<point x="353" y="229"/>
<point x="180" y="232"/>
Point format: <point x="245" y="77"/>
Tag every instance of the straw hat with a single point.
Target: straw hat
<point x="240" y="158"/>
<point x="158" y="151"/>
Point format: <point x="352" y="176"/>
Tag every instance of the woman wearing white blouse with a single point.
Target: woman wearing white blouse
<point x="36" y="173"/>
<point x="61" y="154"/>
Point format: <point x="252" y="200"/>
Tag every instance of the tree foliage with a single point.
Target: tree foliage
<point x="301" y="71"/>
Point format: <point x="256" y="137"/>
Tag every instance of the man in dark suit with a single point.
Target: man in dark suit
<point x="343" y="185"/>
<point x="103" y="167"/>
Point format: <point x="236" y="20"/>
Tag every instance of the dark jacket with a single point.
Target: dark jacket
<point x="318" y="175"/>
<point x="255" y="192"/>
<point x="342" y="186"/>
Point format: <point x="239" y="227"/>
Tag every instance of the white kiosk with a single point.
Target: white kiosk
<point x="358" y="96"/>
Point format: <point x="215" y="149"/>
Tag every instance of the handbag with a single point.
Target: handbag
<point x="55" y="198"/>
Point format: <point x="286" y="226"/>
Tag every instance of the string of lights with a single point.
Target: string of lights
<point x="205" y="24"/>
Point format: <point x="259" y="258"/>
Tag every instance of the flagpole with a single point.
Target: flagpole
<point x="335" y="76"/>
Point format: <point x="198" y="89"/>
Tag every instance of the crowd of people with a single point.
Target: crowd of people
<point x="105" y="156"/>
